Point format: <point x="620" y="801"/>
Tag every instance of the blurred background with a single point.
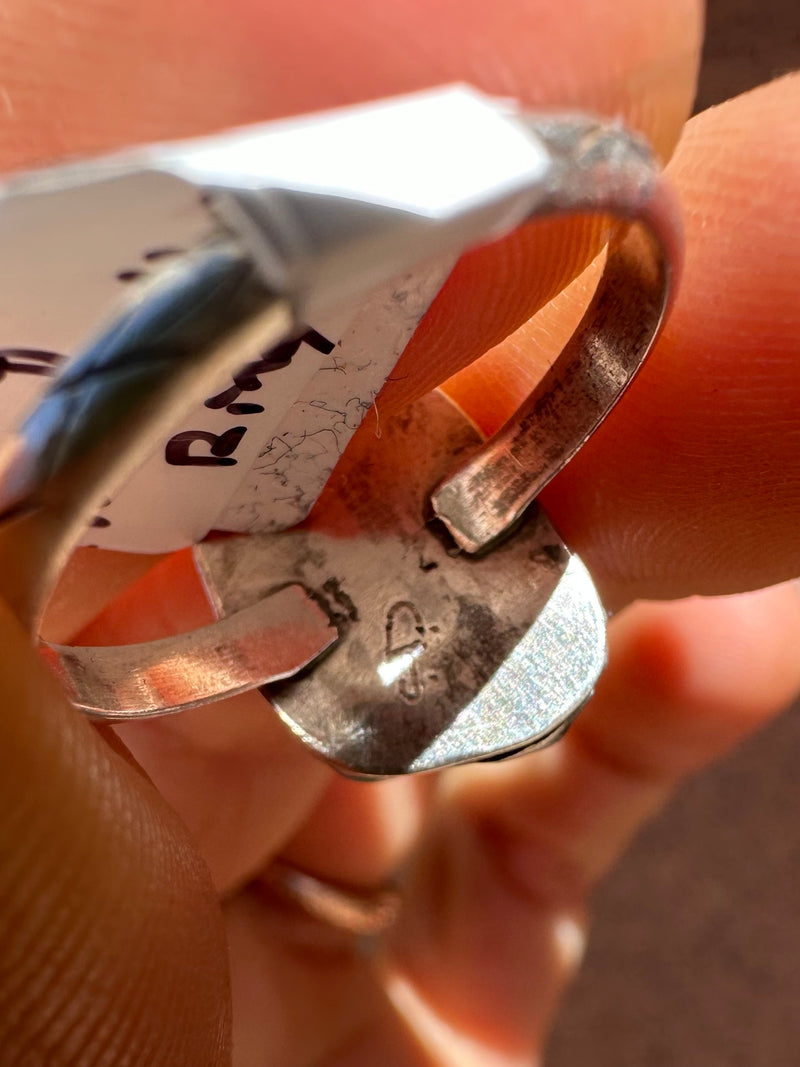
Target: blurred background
<point x="694" y="959"/>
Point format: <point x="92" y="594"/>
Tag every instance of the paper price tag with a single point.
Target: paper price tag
<point x="289" y="473"/>
<point x="252" y="456"/>
<point x="255" y="455"/>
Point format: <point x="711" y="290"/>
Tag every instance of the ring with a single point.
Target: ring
<point x="86" y="436"/>
<point x="364" y="913"/>
<point x="289" y="231"/>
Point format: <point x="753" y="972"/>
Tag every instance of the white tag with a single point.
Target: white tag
<point x="420" y="177"/>
<point x="295" y="462"/>
<point x="254" y="455"/>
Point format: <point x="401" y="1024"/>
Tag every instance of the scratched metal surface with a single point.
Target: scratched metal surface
<point x="694" y="955"/>
<point x="431" y="644"/>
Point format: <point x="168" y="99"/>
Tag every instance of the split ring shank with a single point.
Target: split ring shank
<point x="294" y="244"/>
<point x="86" y="437"/>
<point x="484" y="498"/>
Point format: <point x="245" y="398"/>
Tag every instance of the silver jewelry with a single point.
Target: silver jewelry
<point x="400" y="649"/>
<point x="362" y="912"/>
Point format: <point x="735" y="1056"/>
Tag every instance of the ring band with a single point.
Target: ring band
<point x="84" y="439"/>
<point x="363" y="913"/>
<point x="276" y="255"/>
<point x="485" y="497"/>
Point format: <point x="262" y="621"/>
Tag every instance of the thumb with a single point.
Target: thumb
<point x="111" y="943"/>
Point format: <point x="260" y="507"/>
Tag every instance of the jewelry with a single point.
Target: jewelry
<point x="363" y="912"/>
<point x="288" y="223"/>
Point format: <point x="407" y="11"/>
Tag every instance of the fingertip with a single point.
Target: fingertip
<point x="386" y="818"/>
<point x="78" y="86"/>
<point x="108" y="916"/>
<point x="687" y="680"/>
<point x="692" y="484"/>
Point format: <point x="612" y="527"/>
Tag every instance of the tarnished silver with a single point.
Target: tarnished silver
<point x="88" y="435"/>
<point x="442" y="658"/>
<point x="288" y="220"/>
<point x="487" y="495"/>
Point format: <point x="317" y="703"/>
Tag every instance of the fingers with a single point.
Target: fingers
<point x="240" y="782"/>
<point x="110" y="937"/>
<point x="245" y="788"/>
<point x="361" y="833"/>
<point x="306" y="994"/>
<point x="93" y="78"/>
<point x="181" y="71"/>
<point x="502" y="882"/>
<point x="693" y="483"/>
<point x="78" y="82"/>
<point x="94" y="578"/>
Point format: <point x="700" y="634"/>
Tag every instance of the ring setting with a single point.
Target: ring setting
<point x="450" y="623"/>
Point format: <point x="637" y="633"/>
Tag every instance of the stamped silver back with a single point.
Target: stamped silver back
<point x="443" y="657"/>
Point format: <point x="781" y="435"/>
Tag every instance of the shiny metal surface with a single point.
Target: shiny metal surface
<point x="327" y="206"/>
<point x="284" y="226"/>
<point x="281" y="633"/>
<point x="604" y="170"/>
<point x="84" y="439"/>
<point x="442" y="658"/>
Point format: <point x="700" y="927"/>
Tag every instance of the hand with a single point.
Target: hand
<point x="112" y="936"/>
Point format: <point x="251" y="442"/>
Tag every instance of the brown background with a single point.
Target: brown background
<point x="694" y="959"/>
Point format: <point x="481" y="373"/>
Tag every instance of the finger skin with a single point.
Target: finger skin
<point x="86" y="80"/>
<point x="246" y="789"/>
<point x="361" y="833"/>
<point x="517" y="846"/>
<point x="89" y="79"/>
<point x="241" y="783"/>
<point x="134" y="974"/>
<point x="693" y="483"/>
<point x="94" y="578"/>
<point x="111" y="945"/>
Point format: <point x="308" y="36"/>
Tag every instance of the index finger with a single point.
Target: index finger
<point x="76" y="83"/>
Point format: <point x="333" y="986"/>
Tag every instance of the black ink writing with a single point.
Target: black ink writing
<point x="248" y="378"/>
<point x="28" y="361"/>
<point x="154" y="254"/>
<point x="177" y="452"/>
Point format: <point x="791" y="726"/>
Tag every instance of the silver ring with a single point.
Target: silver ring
<point x="277" y="250"/>
<point x="361" y="912"/>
